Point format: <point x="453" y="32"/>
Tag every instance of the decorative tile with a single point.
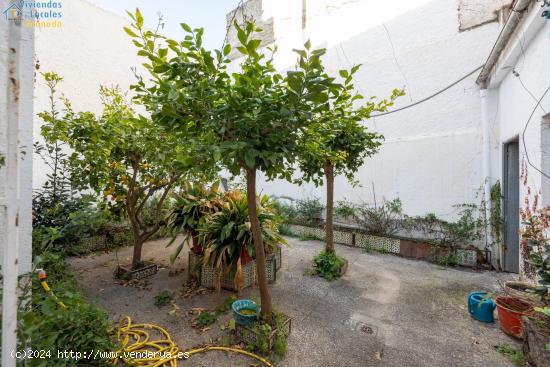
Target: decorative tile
<point x="467" y="257"/>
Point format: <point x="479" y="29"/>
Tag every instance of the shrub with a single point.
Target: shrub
<point x="309" y="210"/>
<point x="44" y="325"/>
<point x="287" y="211"/>
<point x="381" y="220"/>
<point x="328" y="265"/>
<point x="467" y="229"/>
<point x="344" y="209"/>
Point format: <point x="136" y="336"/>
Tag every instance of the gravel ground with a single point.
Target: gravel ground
<point x="386" y="311"/>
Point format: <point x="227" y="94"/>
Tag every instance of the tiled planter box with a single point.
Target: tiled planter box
<point x="247" y="335"/>
<point x="207" y="275"/>
<point x="467" y="257"/>
<point x="382" y="244"/>
<point x="125" y="272"/>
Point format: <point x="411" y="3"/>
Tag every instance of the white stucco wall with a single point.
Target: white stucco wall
<point x="511" y="104"/>
<point x="528" y="54"/>
<point x="91" y="49"/>
<point x="432" y="155"/>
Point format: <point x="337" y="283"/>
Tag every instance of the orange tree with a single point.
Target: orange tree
<point x="250" y="120"/>
<point x="124" y="158"/>
<point x="337" y="142"/>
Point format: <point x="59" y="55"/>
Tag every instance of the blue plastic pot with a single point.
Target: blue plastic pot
<point x="244" y="304"/>
<point x="480" y="307"/>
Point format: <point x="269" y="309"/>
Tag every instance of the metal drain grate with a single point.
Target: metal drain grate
<point x="366" y="329"/>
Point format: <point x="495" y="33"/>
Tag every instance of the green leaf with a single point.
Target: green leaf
<point x="129" y="32"/>
<point x="186" y="27"/>
<point x="343" y="73"/>
<point x="227" y="49"/>
<point x="139" y="19"/>
<point x="250" y="158"/>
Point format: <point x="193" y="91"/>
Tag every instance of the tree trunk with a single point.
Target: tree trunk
<point x="329" y="175"/>
<point x="258" y="242"/>
<point x="136" y="258"/>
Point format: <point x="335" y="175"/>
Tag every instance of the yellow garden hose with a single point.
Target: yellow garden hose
<point x="136" y="340"/>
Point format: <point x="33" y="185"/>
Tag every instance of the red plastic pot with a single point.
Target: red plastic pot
<point x="510" y="310"/>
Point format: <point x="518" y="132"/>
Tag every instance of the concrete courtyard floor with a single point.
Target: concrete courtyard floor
<point x="386" y="311"/>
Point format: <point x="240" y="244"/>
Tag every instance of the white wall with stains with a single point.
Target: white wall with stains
<point x="431" y="158"/>
<point x="91" y="49"/>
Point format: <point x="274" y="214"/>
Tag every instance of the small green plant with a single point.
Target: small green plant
<point x="287" y="211"/>
<point x="310" y="237"/>
<point x="449" y="260"/>
<point x="262" y="331"/>
<point x="310" y="210"/>
<point x="496" y="212"/>
<point x="205" y="319"/>
<point x="279" y="344"/>
<point x="383" y="220"/>
<point x="225" y="306"/>
<point x="328" y="265"/>
<point x="163" y="298"/>
<point x="43" y="325"/>
<point x="284" y="230"/>
<point x="344" y="209"/>
<point x="514" y="354"/>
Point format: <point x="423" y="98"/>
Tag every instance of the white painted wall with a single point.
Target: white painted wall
<point x="528" y="53"/>
<point x="90" y="50"/>
<point x="432" y="155"/>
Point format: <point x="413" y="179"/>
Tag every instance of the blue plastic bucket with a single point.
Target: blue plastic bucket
<point x="241" y="318"/>
<point x="480" y="307"/>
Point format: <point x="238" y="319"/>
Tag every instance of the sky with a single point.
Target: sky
<point x="210" y="14"/>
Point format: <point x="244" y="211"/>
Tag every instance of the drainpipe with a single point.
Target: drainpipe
<point x="486" y="166"/>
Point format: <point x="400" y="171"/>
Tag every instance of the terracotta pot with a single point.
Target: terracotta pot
<point x="510" y="312"/>
<point x="197" y="248"/>
<point x="245" y="257"/>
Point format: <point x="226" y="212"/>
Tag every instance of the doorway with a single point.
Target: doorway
<point x="511" y="207"/>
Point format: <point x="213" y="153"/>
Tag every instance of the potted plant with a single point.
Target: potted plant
<point x="227" y="237"/>
<point x="510" y="312"/>
<point x="535" y="252"/>
<point x="193" y="204"/>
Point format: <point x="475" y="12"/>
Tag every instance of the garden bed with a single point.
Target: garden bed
<point x="354" y="237"/>
<point x="249" y="335"/>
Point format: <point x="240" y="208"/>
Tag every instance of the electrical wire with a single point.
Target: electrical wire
<point x="431" y="96"/>
<point x="230" y="24"/>
<point x="525" y="129"/>
<point x="397" y="62"/>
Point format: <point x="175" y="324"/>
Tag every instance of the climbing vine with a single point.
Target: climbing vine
<point x="496" y="212"/>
